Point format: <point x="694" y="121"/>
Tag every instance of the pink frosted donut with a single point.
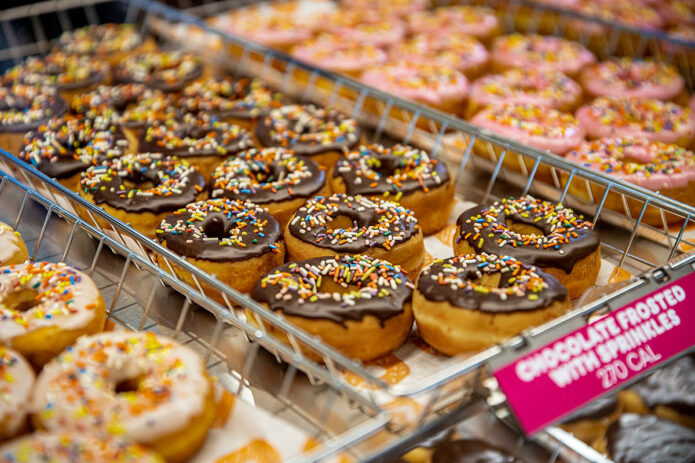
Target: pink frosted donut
<point x="540" y="87"/>
<point x="651" y="119"/>
<point x="537" y="126"/>
<point x="632" y="78"/>
<point x="675" y="12"/>
<point x="366" y="26"/>
<point x="390" y="7"/>
<point x="542" y="52"/>
<point x="430" y="84"/>
<point x="628" y="12"/>
<point x="335" y="53"/>
<point x="476" y="21"/>
<point x="653" y="165"/>
<point x="454" y="50"/>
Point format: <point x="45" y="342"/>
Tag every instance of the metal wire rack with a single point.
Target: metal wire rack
<point x="479" y="178"/>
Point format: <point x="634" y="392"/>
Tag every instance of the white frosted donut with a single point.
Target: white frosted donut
<point x="45" y="307"/>
<point x="16" y="382"/>
<point x="12" y="247"/>
<point x="73" y="448"/>
<point x="141" y="386"/>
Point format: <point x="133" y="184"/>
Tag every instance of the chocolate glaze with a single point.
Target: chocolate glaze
<point x="194" y="236"/>
<point x="648" y="439"/>
<point x="153" y="78"/>
<point x="151" y="168"/>
<point x="49" y="74"/>
<point x="266" y="172"/>
<point x="293" y="134"/>
<point x="387" y="165"/>
<point x="100" y="39"/>
<point x="584" y="244"/>
<point x="468" y="298"/>
<point x="599" y="408"/>
<point x="62" y="148"/>
<point x="373" y="216"/>
<point x="152" y="106"/>
<point x="45" y="104"/>
<point x="471" y="451"/>
<point x="326" y="307"/>
<point x="107" y="97"/>
<point x="672" y="386"/>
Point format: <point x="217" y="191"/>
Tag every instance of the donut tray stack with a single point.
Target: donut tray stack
<point x="147" y="297"/>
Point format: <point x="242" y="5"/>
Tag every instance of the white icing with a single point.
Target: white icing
<point x="9" y="243"/>
<point x="16" y="381"/>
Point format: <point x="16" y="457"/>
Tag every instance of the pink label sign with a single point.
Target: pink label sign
<point x="569" y="372"/>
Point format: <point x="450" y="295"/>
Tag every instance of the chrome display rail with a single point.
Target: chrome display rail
<point x="386" y="118"/>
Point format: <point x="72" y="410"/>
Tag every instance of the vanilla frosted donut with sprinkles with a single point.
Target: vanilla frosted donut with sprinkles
<point x="475" y="21"/>
<point x="474" y="301"/>
<point x="167" y="403"/>
<point x="627" y="77"/>
<point x="16" y="384"/>
<point x="546" y="235"/>
<point x="647" y="118"/>
<point x="527" y="86"/>
<point x="13" y="250"/>
<point x="541" y="52"/>
<point x="343" y="225"/>
<point x="409" y="176"/>
<point x="666" y="168"/>
<point x="234" y="240"/>
<point x="65" y="447"/>
<point x="45" y="307"/>
<point x="360" y="305"/>
<point x="274" y="178"/>
<point x="142" y="189"/>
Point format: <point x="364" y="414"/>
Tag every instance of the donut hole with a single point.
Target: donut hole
<point x="488" y="280"/>
<point x="329" y="285"/>
<point x="22" y="300"/>
<point x="129" y="384"/>
<point x="523" y="228"/>
<point x="214" y="226"/>
<point x="341" y="221"/>
<point x="138" y="185"/>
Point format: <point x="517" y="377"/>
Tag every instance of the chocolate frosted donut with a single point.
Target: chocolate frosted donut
<point x="471" y="451"/>
<point x="142" y="188"/>
<point x="240" y="101"/>
<point x="66" y="146"/>
<point x="107" y="100"/>
<point x="69" y="74"/>
<point x="400" y="173"/>
<point x="201" y="140"/>
<point x="323" y="134"/>
<point x="24" y="108"/>
<point x="166" y="71"/>
<point x="236" y="241"/>
<point x="342" y="224"/>
<point x="648" y="439"/>
<point x="151" y="107"/>
<point x="109" y="41"/>
<point x="273" y="177"/>
<point x="358" y="304"/>
<point x="590" y="422"/>
<point x="473" y="301"/>
<point x="546" y="235"/>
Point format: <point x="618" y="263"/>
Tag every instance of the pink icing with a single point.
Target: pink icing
<point x="544" y="52"/>
<point x="392" y="7"/>
<point x="542" y="128"/>
<point x="633" y="78"/>
<point x="477" y="21"/>
<point x="429" y="84"/>
<point x="334" y="53"/>
<point x="621" y="11"/>
<point x="366" y="26"/>
<point x="651" y="119"/>
<point x="453" y="50"/>
<point x="532" y="86"/>
<point x="652" y="165"/>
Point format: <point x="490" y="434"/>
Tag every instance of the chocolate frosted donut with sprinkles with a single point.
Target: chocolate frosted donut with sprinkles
<point x="647" y="118"/>
<point x="200" y="139"/>
<point x="342" y="225"/>
<point x="107" y="101"/>
<point x="24" y="108"/>
<point x="168" y="71"/>
<point x="537" y="232"/>
<point x="142" y="189"/>
<point x="322" y="134"/>
<point x="237" y="101"/>
<point x="473" y="301"/>
<point x="151" y="107"/>
<point x="409" y="176"/>
<point x="360" y="305"/>
<point x="45" y="307"/>
<point x="234" y="240"/>
<point x="275" y="178"/>
<point x="66" y="146"/>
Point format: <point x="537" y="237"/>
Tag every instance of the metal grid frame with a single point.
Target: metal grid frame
<point x="354" y="98"/>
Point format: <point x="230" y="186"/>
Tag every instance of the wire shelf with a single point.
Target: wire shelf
<point x="387" y="119"/>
